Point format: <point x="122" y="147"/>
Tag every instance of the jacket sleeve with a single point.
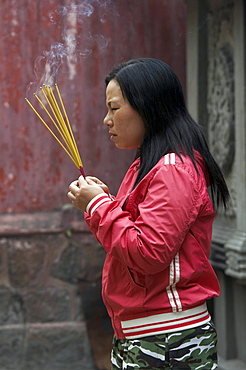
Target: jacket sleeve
<point x="149" y="243"/>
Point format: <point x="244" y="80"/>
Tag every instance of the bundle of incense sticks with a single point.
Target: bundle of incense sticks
<point x="59" y="118"/>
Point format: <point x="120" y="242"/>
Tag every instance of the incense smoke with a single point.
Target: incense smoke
<point x="76" y="43"/>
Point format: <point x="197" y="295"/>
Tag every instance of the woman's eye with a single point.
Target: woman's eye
<point x="114" y="109"/>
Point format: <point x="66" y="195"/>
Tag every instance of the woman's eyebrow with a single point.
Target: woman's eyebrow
<point x="111" y="101"/>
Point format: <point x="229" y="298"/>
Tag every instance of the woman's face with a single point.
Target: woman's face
<point x="126" y="127"/>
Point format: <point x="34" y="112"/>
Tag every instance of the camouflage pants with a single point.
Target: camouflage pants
<point x="192" y="349"/>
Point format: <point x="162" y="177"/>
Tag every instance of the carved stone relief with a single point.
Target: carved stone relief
<point x="220" y="98"/>
<point x="221" y="109"/>
<point x="236" y="256"/>
<point x="229" y="251"/>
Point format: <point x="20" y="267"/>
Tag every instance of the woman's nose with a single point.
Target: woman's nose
<point x="108" y="121"/>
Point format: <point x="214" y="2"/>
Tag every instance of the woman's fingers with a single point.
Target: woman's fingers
<point x="82" y="191"/>
<point x="94" y="179"/>
<point x="82" y="181"/>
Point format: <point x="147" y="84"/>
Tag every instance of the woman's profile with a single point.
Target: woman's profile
<point x="157" y="230"/>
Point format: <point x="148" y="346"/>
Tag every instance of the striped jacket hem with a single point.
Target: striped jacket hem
<point x="166" y="322"/>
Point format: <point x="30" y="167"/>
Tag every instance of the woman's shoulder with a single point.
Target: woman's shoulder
<point x="172" y="159"/>
<point x="173" y="166"/>
<point x="184" y="162"/>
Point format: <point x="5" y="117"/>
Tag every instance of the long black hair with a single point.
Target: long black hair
<point x="155" y="92"/>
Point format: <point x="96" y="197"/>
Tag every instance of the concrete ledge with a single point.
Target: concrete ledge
<point x="50" y="346"/>
<point x="231" y="364"/>
<point x="66" y="219"/>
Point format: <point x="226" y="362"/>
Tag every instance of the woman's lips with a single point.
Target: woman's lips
<point x="112" y="136"/>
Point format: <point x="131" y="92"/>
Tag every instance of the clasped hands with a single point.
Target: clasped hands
<point x="83" y="190"/>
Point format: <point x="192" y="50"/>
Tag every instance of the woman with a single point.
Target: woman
<point x="157" y="230"/>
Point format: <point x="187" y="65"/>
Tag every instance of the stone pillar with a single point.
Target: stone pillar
<point x="218" y="29"/>
<point x="240" y="111"/>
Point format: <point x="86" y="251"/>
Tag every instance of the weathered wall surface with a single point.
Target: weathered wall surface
<point x="51" y="314"/>
<point x="34" y="170"/>
<point x="42" y="322"/>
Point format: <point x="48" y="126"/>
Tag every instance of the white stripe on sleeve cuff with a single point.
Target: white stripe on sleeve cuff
<point x="96" y="202"/>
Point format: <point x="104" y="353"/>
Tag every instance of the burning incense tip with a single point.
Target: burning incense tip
<point x="57" y="114"/>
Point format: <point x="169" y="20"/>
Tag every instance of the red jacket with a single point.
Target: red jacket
<point x="157" y="276"/>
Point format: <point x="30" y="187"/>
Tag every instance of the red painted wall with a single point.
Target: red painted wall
<point x="34" y="170"/>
